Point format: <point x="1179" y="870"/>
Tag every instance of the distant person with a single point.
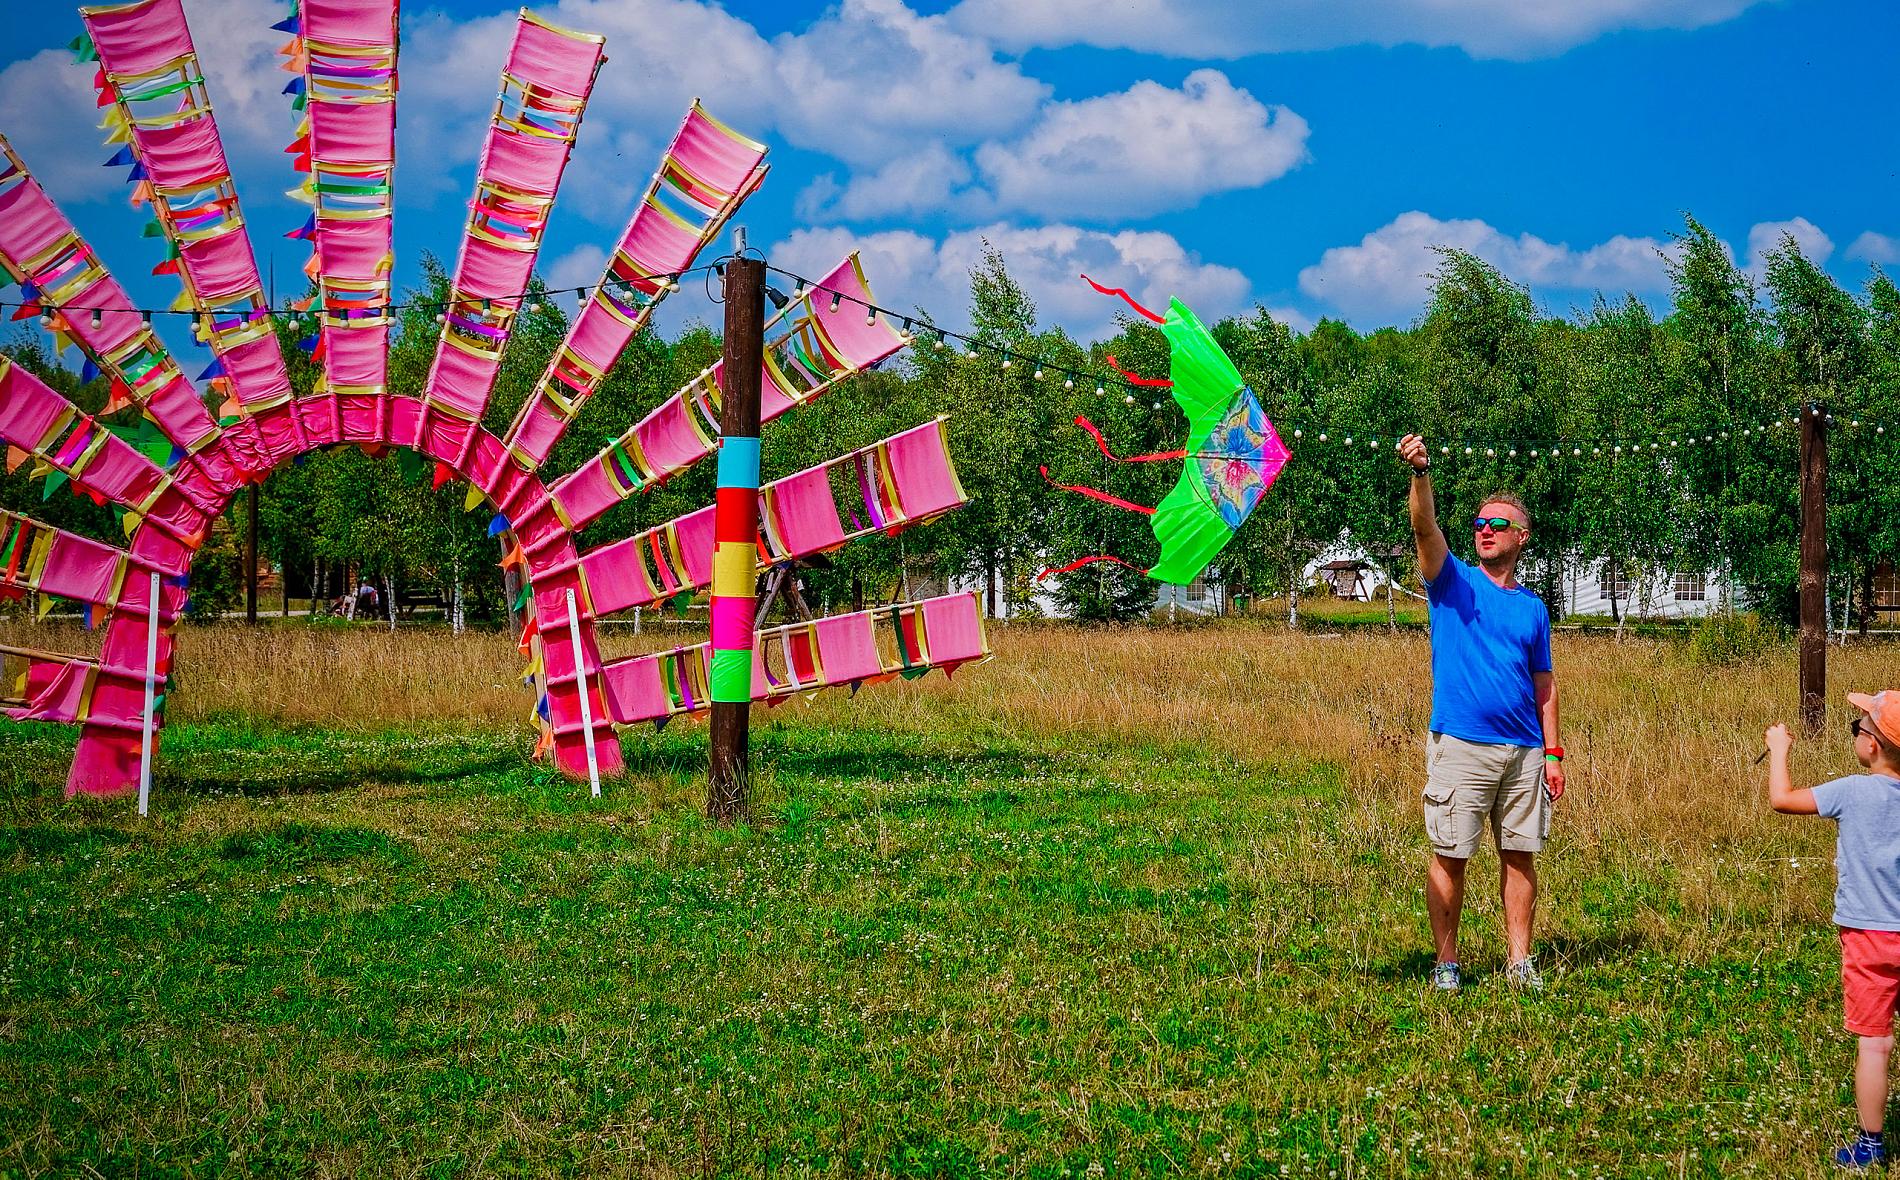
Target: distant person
<point x="1493" y="758"/>
<point x="1866" y="897"/>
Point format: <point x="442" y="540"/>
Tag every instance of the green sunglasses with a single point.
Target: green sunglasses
<point x="1497" y="524"/>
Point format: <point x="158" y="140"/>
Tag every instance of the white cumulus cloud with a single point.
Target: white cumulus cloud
<point x="1145" y="150"/>
<point x="1516" y="29"/>
<point x="1765" y="236"/>
<point x="1882" y="249"/>
<point x="908" y="270"/>
<point x="1386" y="276"/>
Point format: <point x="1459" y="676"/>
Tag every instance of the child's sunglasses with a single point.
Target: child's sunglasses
<point x="1497" y="524"/>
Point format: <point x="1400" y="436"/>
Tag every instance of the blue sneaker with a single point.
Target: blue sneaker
<point x="1862" y="1152"/>
<point x="1445" y="978"/>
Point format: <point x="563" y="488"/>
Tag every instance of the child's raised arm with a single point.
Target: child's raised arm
<point x="1783" y="795"/>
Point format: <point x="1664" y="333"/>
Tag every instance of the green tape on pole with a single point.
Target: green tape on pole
<point x="732" y="677"/>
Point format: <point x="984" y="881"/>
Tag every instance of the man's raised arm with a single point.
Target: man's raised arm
<point x="1432" y="549"/>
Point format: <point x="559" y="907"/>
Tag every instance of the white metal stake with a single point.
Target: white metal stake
<point x="580" y="678"/>
<point x="151" y="699"/>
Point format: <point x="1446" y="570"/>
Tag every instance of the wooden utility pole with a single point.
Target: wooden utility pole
<point x="736" y="542"/>
<point x="1813" y="648"/>
<point x="250" y="564"/>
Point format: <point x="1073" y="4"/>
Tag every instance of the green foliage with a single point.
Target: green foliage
<point x="1481" y="363"/>
<point x="1722" y="639"/>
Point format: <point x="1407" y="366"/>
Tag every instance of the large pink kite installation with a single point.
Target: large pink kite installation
<point x="342" y="55"/>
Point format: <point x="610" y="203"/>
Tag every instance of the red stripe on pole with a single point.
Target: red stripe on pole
<point x="733" y="518"/>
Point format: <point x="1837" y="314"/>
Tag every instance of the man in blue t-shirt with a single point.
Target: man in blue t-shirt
<point x="1493" y="758"/>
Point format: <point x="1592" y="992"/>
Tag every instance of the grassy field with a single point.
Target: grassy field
<point x="1143" y="902"/>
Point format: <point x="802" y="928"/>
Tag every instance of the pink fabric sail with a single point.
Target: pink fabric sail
<point x="359" y="133"/>
<point x="221" y="268"/>
<point x="28" y="409"/>
<point x="29" y="222"/>
<point x="81" y="569"/>
<point x="352" y="249"/>
<point x="617" y="577"/>
<point x="491" y="278"/>
<point x="801" y="513"/>
<point x="360" y="24"/>
<point x="56" y="690"/>
<point x="920" y="467"/>
<point x="707" y="164"/>
<point x="826" y="653"/>
<point x="854" y="339"/>
<point x="138" y="38"/>
<point x="183" y="155"/>
<point x="554" y="58"/>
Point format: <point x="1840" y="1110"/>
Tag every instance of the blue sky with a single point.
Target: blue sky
<point x="1301" y="156"/>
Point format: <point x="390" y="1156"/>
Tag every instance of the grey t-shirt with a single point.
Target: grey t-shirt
<point x="1867" y="850"/>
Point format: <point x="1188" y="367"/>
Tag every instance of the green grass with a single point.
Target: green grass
<point x="351" y="953"/>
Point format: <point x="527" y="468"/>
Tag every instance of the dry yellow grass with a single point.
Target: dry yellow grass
<point x="1657" y="740"/>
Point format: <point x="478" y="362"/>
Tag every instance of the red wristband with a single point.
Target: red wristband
<point x="1556" y="752"/>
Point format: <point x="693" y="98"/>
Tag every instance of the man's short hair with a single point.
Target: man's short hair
<point x="1513" y="500"/>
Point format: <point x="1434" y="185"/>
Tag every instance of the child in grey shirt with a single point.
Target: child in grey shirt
<point x="1866" y="897"/>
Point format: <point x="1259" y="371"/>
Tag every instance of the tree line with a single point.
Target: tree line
<point x="1482" y="367"/>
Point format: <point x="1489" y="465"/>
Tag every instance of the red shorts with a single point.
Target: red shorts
<point x="1870" y="979"/>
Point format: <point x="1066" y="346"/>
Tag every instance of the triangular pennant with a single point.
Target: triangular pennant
<point x="289" y="24"/>
<point x="443" y="474"/>
<point x="473" y="498"/>
<point x="153" y="229"/>
<point x="121" y="158"/>
<point x="15" y="457"/>
<point x="498" y="525"/>
<point x="294" y="86"/>
<point x="55" y="479"/>
<point x="142" y="193"/>
<point x="83" y="50"/>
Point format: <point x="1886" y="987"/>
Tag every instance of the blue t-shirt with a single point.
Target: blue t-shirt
<point x="1867" y="849"/>
<point x="1486" y="643"/>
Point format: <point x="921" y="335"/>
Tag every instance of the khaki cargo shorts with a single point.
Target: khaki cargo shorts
<point x="1471" y="784"/>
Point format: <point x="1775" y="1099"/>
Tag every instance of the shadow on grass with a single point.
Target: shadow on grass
<point x="189" y="781"/>
<point x="1566" y="951"/>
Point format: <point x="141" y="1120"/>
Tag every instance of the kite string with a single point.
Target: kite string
<point x="1150" y="457"/>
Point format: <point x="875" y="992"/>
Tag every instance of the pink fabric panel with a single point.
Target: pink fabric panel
<point x="525" y="163"/>
<point x="352" y="249"/>
<point x="488" y="271"/>
<point x="175" y="513"/>
<point x="80" y="569"/>
<point x="537" y="527"/>
<point x="221" y="267"/>
<point x="773" y="401"/>
<point x="256" y="369"/>
<point x="277" y="434"/>
<point x="712" y="155"/>
<point x="118" y="700"/>
<point x="138" y="38"/>
<point x="657" y="244"/>
<point x="553" y="60"/>
<point x="695" y="533"/>
<point x="356" y="356"/>
<point x="460" y="378"/>
<point x="550" y="609"/>
<point x="586" y="494"/>
<point x="363" y="416"/>
<point x="183" y="155"/>
<point x="920" y="466"/>
<point x="29" y="221"/>
<point x="442" y="438"/>
<point x="53" y="691"/>
<point x="160" y="550"/>
<point x="117" y="323"/>
<point x="847" y="647"/>
<point x="356" y="23"/>
<point x="354" y="133"/>
<point x="667" y="438"/>
<point x="106" y="762"/>
<point x="570" y="749"/>
<point x="859" y="344"/>
<point x="635" y="690"/>
<point x="404" y="415"/>
<point x="540" y="428"/>
<point x="28" y="408"/>
<point x="953" y="629"/>
<point x="598" y="336"/>
<point x="806" y="513"/>
<point x="617" y="576"/>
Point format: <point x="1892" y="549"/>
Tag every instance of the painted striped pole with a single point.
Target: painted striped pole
<point x="736" y="542"/>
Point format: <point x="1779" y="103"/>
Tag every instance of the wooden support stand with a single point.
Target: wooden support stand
<point x="730" y="761"/>
<point x="1813" y="644"/>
